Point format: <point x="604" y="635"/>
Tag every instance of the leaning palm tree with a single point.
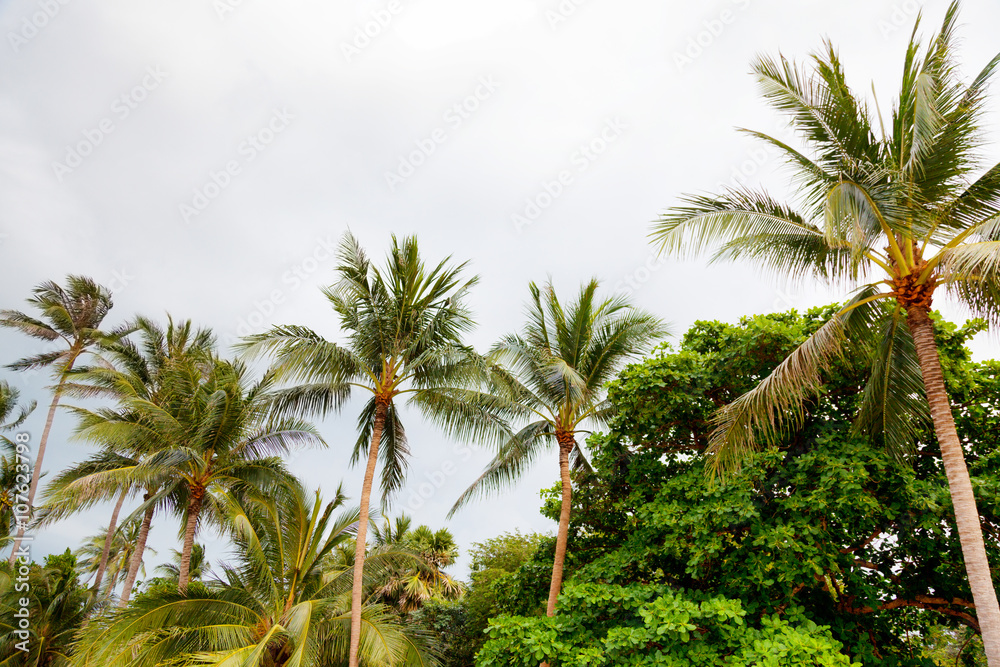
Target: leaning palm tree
<point x="898" y="212"/>
<point x="404" y="327"/>
<point x="71" y="316"/>
<point x="277" y="604"/>
<point x="129" y="370"/>
<point x="552" y="375"/>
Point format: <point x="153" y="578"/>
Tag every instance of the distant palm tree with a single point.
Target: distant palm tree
<point x="130" y="371"/>
<point x="408" y="586"/>
<point x="898" y="217"/>
<point x="404" y="327"/>
<point x="277" y="605"/>
<point x="91" y="555"/>
<point x="552" y="375"/>
<point x="198" y="569"/>
<point x="72" y="315"/>
<point x="13" y="467"/>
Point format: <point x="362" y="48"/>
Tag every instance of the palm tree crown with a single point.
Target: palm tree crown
<point x="897" y="210"/>
<point x="552" y="375"/>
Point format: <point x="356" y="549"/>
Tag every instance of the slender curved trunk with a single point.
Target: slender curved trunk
<point x="107" y="542"/>
<point x="970" y="532"/>
<point x="140" y="548"/>
<point x="36" y="472"/>
<point x="194" y="509"/>
<point x="357" y="590"/>
<point x="566" y="444"/>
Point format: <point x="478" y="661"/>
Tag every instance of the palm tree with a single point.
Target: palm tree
<point x="13" y="464"/>
<point x="409" y="586"/>
<point x="72" y="315"/>
<point x="129" y="371"/>
<point x="901" y="214"/>
<point x="91" y="555"/>
<point x="404" y="328"/>
<point x="209" y="431"/>
<point x="198" y="569"/>
<point x="57" y="608"/>
<point x="553" y="374"/>
<point x="277" y="605"/>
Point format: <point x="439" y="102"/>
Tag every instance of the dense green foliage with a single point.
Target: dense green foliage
<point x="828" y="529"/>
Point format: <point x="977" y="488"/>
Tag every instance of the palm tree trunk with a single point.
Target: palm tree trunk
<point x="140" y="548"/>
<point x="194" y="509"/>
<point x="970" y="532"/>
<point x="381" y="411"/>
<point x="107" y="542"/>
<point x="566" y="444"/>
<point x="36" y="473"/>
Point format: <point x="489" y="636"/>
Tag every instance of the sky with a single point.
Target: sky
<point x="204" y="158"/>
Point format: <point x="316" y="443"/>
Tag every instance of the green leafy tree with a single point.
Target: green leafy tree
<point x="277" y="604"/>
<point x="404" y="327"/>
<point x="71" y="316"/>
<point x="606" y="625"/>
<point x="827" y="522"/>
<point x="552" y="375"/>
<point x="901" y="214"/>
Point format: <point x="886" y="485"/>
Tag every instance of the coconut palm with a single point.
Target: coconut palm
<point x="57" y="607"/>
<point x="130" y="370"/>
<point x="556" y="369"/>
<point x="277" y="605"/>
<point x="209" y="431"/>
<point x="404" y="327"/>
<point x="91" y="555"/>
<point x="71" y="316"/>
<point x="13" y="465"/>
<point x="198" y="569"/>
<point x="899" y="210"/>
<point x="409" y="586"/>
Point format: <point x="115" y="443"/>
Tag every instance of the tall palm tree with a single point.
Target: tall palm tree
<point x="13" y="467"/>
<point x="552" y="375"/>
<point x="130" y="370"/>
<point x="899" y="214"/>
<point x="277" y="605"/>
<point x="210" y="431"/>
<point x="404" y="327"/>
<point x="71" y="315"/>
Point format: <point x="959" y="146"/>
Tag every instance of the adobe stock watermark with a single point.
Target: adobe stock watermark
<point x="224" y="8"/>
<point x="370" y="30"/>
<point x="900" y="17"/>
<point x="454" y="117"/>
<point x="581" y="159"/>
<point x="121" y="108"/>
<point x="436" y="479"/>
<point x="755" y="160"/>
<point x="34" y="24"/>
<point x="640" y="275"/>
<point x="292" y="279"/>
<point x="562" y="12"/>
<point x="711" y="30"/>
<point x="248" y="150"/>
<point x="21" y="624"/>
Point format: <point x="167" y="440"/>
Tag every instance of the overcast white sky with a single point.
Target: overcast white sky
<point x="200" y="157"/>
